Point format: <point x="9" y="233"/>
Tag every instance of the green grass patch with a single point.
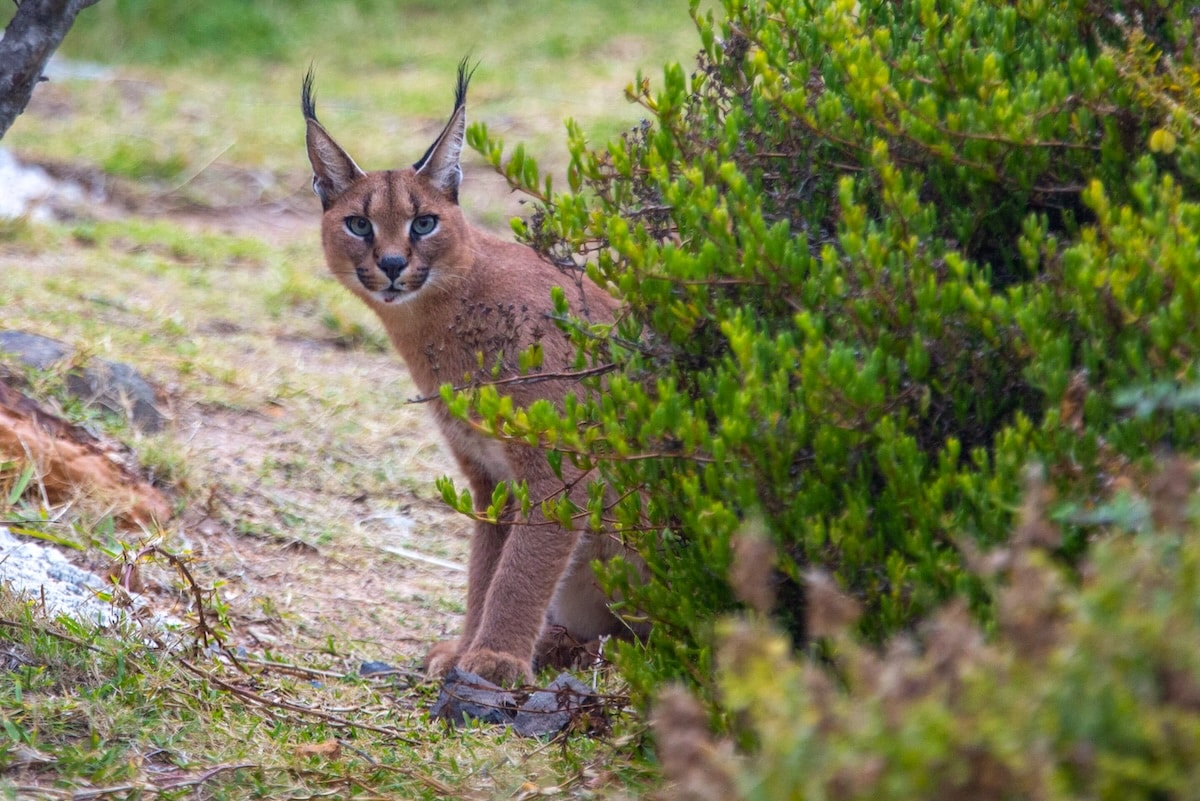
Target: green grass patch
<point x="108" y="715"/>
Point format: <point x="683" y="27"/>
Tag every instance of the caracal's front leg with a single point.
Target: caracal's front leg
<point x="487" y="545"/>
<point x="534" y="558"/>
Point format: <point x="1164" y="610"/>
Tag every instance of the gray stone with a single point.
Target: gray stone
<point x="44" y="576"/>
<point x="466" y="695"/>
<point x="549" y="711"/>
<point x="120" y="389"/>
<point x="38" y="352"/>
<point x="375" y="668"/>
<point x="31" y="192"/>
<point x="110" y="385"/>
<point x="539" y="713"/>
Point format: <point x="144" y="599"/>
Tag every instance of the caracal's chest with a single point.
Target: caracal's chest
<point x="476" y="452"/>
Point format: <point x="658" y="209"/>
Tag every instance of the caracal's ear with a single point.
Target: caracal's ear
<point x="333" y="169"/>
<point x="441" y="161"/>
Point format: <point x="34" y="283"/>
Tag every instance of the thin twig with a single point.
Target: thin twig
<point x="417" y="556"/>
<point x="193" y="586"/>
<point x="297" y="670"/>
<point x="65" y="637"/>
<point x="443" y="789"/>
<point x="33" y="791"/>
<point x="204" y="776"/>
<point x="255" y="698"/>
<point x="196" y="173"/>
<point x="533" y="378"/>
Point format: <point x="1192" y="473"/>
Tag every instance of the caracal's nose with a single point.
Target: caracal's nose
<point x="392" y="266"/>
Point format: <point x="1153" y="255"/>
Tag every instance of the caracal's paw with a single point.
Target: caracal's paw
<point x="441" y="659"/>
<point x="498" y="668"/>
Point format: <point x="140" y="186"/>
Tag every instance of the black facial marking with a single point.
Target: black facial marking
<point x="391" y="189"/>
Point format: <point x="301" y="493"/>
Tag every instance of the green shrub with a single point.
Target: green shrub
<point x="1088" y="691"/>
<point x="878" y="258"/>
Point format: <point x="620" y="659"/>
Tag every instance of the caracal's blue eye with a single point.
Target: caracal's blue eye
<point x="423" y="225"/>
<point x="359" y="226"/>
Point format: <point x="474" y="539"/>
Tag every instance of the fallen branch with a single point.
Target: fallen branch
<point x="19" y="626"/>
<point x="417" y="556"/>
<point x="156" y="789"/>
<point x="126" y="578"/>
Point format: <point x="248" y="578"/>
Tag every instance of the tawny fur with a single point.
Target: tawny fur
<point x="457" y="303"/>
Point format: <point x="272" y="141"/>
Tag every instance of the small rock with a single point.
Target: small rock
<point x="465" y="695"/>
<point x="111" y="385"/>
<point x="52" y="585"/>
<point x="551" y="710"/>
<point x="120" y="389"/>
<point x="44" y="575"/>
<point x="35" y="351"/>
<point x="374" y="668"/>
<point x="29" y="191"/>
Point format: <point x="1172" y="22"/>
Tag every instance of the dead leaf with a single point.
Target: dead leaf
<point x="330" y="749"/>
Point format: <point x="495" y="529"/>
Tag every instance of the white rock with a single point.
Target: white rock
<point x="38" y="571"/>
<point x="30" y="191"/>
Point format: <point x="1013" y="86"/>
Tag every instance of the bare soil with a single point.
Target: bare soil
<point x="289" y="593"/>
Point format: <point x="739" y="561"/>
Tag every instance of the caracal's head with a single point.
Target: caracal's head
<point x="394" y="235"/>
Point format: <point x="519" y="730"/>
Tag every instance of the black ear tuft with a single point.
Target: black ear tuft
<point x="307" y="99"/>
<point x="465" y="71"/>
<point x="464" y="78"/>
<point x="333" y="169"/>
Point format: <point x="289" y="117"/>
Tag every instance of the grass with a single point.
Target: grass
<point x="109" y="717"/>
<point x="292" y="455"/>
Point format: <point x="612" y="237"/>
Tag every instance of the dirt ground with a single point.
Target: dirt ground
<point x="353" y="589"/>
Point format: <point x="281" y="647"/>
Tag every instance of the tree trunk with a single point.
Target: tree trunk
<point x="32" y="36"/>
